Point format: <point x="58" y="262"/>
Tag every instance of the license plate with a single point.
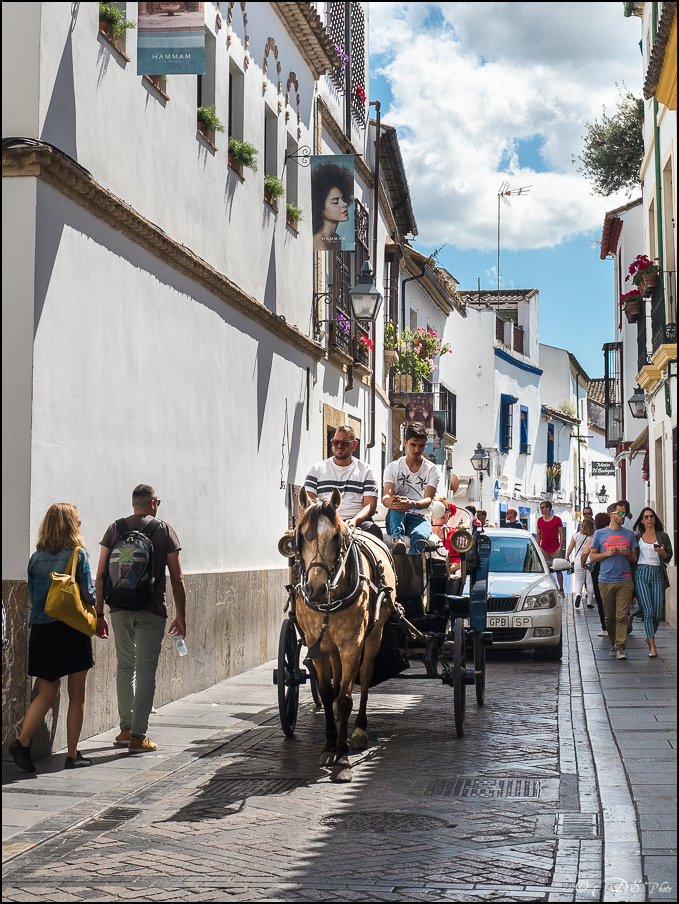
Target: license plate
<point x="509" y="621"/>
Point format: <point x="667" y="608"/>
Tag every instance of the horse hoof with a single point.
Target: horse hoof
<point x="327" y="758"/>
<point x="341" y="773"/>
<point x="359" y="740"/>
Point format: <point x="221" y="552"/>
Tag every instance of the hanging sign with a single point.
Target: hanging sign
<point x="603" y="469"/>
<point x="332" y="208"/>
<point x="171" y="39"/>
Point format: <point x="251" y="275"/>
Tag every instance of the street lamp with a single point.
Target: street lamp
<point x="637" y="403"/>
<point x="365" y="298"/>
<point x="602" y="495"/>
<point x="481" y="462"/>
<point x="365" y="303"/>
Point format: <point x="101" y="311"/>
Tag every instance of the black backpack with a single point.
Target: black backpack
<point x="128" y="577"/>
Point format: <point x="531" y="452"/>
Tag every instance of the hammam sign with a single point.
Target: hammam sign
<point x="171" y="39"/>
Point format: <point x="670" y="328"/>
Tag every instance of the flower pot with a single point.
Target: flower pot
<point x="390" y="358"/>
<point x="235" y="165"/>
<point x="633" y="310"/>
<point x="648" y="280"/>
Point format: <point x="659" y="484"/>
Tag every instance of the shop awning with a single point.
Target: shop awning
<point x="640" y="443"/>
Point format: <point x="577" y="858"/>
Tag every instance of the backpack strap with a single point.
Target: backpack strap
<point x="121" y="527"/>
<point x="150" y="527"/>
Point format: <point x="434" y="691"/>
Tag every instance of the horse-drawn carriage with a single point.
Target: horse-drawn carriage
<point x="364" y="614"/>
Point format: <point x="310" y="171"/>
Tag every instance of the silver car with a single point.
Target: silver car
<point x="524" y="604"/>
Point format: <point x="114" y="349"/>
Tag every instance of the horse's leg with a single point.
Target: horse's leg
<point x="341" y="771"/>
<point x="328" y="697"/>
<point x="359" y="739"/>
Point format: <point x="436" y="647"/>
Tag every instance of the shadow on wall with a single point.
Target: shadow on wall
<point x="59" y="128"/>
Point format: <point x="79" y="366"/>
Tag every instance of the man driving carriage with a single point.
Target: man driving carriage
<point x="410" y="483"/>
<point x="354" y="479"/>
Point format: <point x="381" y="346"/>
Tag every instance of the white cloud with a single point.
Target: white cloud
<point x="470" y="81"/>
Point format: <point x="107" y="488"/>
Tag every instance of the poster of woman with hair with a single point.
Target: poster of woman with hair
<point x="332" y="195"/>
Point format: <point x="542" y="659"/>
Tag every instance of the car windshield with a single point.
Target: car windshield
<point x="514" y="555"/>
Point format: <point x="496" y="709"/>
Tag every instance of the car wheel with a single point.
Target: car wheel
<point x="554" y="654"/>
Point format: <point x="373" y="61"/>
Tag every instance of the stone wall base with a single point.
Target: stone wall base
<point x="233" y="623"/>
<point x="671" y="596"/>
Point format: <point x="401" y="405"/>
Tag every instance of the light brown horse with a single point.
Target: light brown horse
<point x="352" y="636"/>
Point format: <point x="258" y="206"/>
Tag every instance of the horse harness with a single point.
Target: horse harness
<point x="350" y="557"/>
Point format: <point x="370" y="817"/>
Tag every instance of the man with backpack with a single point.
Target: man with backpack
<point x="131" y="580"/>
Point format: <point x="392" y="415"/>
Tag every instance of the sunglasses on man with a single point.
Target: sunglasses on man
<point x="342" y="443"/>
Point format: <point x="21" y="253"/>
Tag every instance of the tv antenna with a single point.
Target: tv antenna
<point x="504" y="193"/>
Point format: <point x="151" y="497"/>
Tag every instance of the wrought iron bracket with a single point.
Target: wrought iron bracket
<point x="302" y="157"/>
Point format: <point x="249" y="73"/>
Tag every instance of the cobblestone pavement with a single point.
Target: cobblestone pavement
<point x="509" y="812"/>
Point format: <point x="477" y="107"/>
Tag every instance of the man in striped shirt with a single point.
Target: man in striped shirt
<point x="354" y="479"/>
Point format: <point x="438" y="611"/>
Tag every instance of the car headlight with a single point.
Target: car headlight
<point x="546" y="600"/>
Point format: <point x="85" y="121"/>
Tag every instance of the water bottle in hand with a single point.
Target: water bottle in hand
<point x="181" y="643"/>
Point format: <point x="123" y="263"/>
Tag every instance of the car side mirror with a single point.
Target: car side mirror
<point x="560" y="565"/>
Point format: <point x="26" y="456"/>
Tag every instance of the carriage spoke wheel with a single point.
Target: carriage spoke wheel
<point x="459" y="675"/>
<point x="288" y="677"/>
<point x="479" y="667"/>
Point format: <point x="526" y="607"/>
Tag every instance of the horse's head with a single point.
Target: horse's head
<point x="319" y="538"/>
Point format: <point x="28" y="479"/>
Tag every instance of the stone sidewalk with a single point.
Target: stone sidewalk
<point x="639" y="713"/>
<point x="616" y="764"/>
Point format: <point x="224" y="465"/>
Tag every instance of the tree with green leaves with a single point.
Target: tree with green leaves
<point x="614" y="148"/>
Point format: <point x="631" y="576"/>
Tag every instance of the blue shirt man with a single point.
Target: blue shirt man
<point x="615" y="548"/>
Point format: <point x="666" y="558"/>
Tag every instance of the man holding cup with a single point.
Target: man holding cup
<point x="615" y="548"/>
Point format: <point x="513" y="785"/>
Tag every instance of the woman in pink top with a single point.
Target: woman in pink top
<point x="550" y="536"/>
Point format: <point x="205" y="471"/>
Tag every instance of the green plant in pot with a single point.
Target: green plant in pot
<point x="244" y="153"/>
<point x="417" y="350"/>
<point x="115" y="19"/>
<point x="273" y="186"/>
<point x="295" y="213"/>
<point x="209" y="119"/>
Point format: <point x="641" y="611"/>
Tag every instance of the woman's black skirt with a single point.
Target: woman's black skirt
<point x="56" y="649"/>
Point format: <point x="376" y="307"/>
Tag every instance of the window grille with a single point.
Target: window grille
<point x="518" y="339"/>
<point x="362" y="223"/>
<point x="358" y="71"/>
<point x="613" y="391"/>
<point x="506" y="422"/>
<point x="339" y="284"/>
<point x="335" y="27"/>
<point x="499" y="329"/>
<point x="525" y="448"/>
<point x="391" y="289"/>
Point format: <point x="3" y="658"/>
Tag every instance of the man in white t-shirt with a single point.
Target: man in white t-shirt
<point x="354" y="479"/>
<point x="410" y="484"/>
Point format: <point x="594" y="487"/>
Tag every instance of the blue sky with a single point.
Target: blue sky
<point x="486" y="92"/>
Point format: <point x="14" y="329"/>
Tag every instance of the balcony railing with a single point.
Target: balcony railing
<point x="445" y="401"/>
<point x="664" y="311"/>
<point x="361" y="349"/>
<point x="518" y="340"/>
<point x="339" y="328"/>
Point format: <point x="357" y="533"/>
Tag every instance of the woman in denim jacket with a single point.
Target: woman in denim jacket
<point x="54" y="648"/>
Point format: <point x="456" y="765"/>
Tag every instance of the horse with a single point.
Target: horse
<point x="345" y="596"/>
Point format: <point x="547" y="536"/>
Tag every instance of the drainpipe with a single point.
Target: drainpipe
<point x="403" y="294"/>
<point x="577" y="409"/>
<point x="376" y="207"/>
<point x="656" y="148"/>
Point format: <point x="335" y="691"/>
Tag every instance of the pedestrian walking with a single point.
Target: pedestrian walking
<point x="601" y="520"/>
<point x="550" y="536"/>
<point x="131" y="579"/>
<point x="355" y="480"/>
<point x="54" y="648"/>
<point x="513" y="519"/>
<point x="650" y="576"/>
<point x="583" y="577"/>
<point x="616" y="548"/>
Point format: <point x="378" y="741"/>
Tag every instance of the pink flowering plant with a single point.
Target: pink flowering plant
<point x="361" y="93"/>
<point x="366" y="344"/>
<point x="641" y="266"/>
<point x="417" y="353"/>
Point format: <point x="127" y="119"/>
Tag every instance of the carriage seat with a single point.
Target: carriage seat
<point x="380" y="518"/>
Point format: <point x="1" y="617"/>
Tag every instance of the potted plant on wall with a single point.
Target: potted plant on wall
<point x="273" y="190"/>
<point x="241" y="154"/>
<point x="643" y="272"/>
<point x="113" y="24"/>
<point x="390" y="353"/>
<point x="208" y="121"/>
<point x="417" y="350"/>
<point x="553" y="478"/>
<point x="632" y="303"/>
<point x="293" y="215"/>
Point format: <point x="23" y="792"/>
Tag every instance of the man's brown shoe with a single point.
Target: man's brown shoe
<point x="139" y="746"/>
<point x="123" y="739"/>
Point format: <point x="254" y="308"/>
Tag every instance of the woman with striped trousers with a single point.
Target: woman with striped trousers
<point x="650" y="577"/>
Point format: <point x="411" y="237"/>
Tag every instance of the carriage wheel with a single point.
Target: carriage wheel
<point x="287" y="677"/>
<point x="459" y="675"/>
<point x="479" y="667"/>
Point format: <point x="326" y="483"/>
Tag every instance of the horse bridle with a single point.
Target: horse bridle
<point x="333" y="571"/>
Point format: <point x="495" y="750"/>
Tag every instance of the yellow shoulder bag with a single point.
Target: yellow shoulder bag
<point x="64" y="603"/>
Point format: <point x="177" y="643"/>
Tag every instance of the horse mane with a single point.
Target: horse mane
<point x="308" y="522"/>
